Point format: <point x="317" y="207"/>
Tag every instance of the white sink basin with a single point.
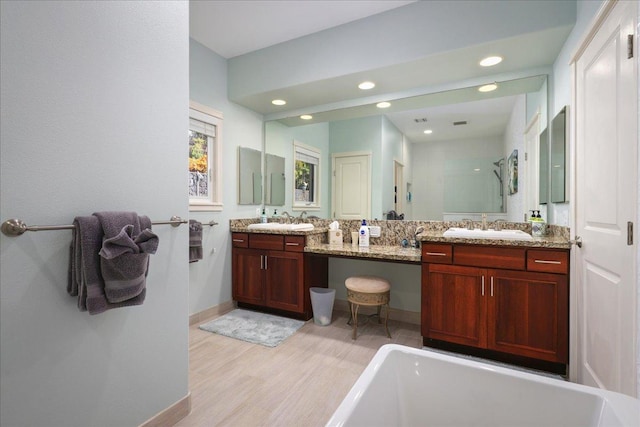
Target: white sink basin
<point x="487" y="234"/>
<point x="276" y="226"/>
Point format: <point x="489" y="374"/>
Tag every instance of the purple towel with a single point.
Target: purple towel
<point x="195" y="240"/>
<point x="124" y="263"/>
<point x="85" y="277"/>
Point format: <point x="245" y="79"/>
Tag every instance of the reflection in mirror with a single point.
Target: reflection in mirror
<point x="544" y="167"/>
<point x="275" y="178"/>
<point x="493" y="125"/>
<point x="249" y="176"/>
<point x="558" y="158"/>
<point x="474" y="185"/>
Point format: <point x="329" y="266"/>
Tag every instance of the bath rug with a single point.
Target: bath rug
<point x="254" y="327"/>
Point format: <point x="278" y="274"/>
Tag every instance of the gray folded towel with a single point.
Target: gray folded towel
<point x="195" y="240"/>
<point x="85" y="277"/>
<point x="127" y="243"/>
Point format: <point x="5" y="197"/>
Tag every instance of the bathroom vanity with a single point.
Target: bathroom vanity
<point x="497" y="298"/>
<point x="270" y="272"/>
<point x="507" y="299"/>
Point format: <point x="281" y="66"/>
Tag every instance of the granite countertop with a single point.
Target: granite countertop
<point x="379" y="252"/>
<point x="552" y="242"/>
<point x="244" y="229"/>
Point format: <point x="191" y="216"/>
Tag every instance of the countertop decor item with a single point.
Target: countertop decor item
<point x="254" y="327"/>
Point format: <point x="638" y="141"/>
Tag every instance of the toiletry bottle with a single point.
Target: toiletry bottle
<point x="263" y="217"/>
<point x="275" y="213"/>
<point x="364" y="234"/>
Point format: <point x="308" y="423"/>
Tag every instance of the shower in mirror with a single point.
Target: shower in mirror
<point x="499" y="164"/>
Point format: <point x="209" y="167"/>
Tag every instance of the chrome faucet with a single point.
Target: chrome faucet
<point x="497" y="224"/>
<point x="415" y="242"/>
<point x="302" y="216"/>
<point x="484" y="221"/>
<point x="469" y="224"/>
<point x="286" y="215"/>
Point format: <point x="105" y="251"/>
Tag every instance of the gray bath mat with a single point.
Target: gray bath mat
<point x="253" y="327"/>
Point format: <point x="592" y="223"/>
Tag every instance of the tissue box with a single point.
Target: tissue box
<point x="335" y="237"/>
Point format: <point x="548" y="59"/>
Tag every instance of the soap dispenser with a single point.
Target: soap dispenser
<point x="263" y="217"/>
<point x="364" y="234"/>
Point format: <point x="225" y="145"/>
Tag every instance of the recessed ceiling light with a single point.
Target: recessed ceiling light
<point x="488" y="88"/>
<point x="366" y="85"/>
<point x="278" y="102"/>
<point x="383" y="104"/>
<point x="428" y="131"/>
<point x="306" y="117"/>
<point x="490" y="61"/>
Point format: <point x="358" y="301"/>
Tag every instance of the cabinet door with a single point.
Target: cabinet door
<point x="528" y="314"/>
<point x="453" y="304"/>
<point x="247" y="275"/>
<point x="285" y="280"/>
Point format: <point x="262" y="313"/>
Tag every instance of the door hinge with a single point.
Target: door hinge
<point x="334" y="172"/>
<point x="630" y="46"/>
<point x="629" y="233"/>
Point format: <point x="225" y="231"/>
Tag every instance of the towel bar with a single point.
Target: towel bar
<point x="16" y="227"/>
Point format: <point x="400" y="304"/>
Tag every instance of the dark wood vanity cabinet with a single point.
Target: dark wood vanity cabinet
<point x="512" y="300"/>
<point x="270" y="272"/>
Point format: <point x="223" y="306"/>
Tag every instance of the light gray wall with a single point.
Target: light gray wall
<point x="210" y="278"/>
<point x="94" y="116"/>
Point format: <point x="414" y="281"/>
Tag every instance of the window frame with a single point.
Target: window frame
<point x="213" y="202"/>
<point x="315" y="152"/>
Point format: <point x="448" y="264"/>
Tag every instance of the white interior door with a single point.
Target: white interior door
<point x="606" y="167"/>
<point x="351" y="185"/>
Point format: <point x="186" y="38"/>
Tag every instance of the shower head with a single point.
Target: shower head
<point x="499" y="162"/>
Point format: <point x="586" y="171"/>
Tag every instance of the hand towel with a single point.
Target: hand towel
<point x="124" y="263"/>
<point x="195" y="240"/>
<point x="85" y="277"/>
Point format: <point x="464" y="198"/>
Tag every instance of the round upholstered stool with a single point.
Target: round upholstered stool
<point x="368" y="291"/>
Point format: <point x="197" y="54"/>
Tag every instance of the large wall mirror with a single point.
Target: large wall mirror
<point x="456" y="170"/>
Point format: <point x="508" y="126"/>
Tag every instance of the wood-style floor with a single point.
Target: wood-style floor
<point x="298" y="383"/>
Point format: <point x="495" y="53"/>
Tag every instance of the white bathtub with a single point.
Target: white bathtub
<point x="404" y="386"/>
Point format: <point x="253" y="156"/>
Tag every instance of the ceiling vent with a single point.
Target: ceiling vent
<point x="422" y="120"/>
<point x="460" y="123"/>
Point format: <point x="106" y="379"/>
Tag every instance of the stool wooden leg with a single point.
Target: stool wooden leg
<point x="350" y="313"/>
<point x="354" y="315"/>
<point x="386" y="321"/>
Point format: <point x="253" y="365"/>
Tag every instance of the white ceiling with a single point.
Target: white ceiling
<point x="236" y="27"/>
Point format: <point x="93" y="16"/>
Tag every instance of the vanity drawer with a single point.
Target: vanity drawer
<point x="294" y="243"/>
<point x="437" y="253"/>
<point x="240" y="240"/>
<point x="490" y="257"/>
<point x="266" y="241"/>
<point x="548" y="261"/>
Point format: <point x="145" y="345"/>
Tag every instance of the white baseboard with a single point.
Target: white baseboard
<point x="223" y="308"/>
<point x="171" y="415"/>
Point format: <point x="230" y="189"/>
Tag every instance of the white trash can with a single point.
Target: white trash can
<point x="322" y="305"/>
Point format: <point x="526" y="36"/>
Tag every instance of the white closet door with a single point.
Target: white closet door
<point x="606" y="95"/>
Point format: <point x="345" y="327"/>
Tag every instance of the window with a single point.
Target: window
<point x="306" y="177"/>
<point x="205" y="142"/>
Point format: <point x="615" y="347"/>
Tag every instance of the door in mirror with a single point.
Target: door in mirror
<point x="249" y="176"/>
